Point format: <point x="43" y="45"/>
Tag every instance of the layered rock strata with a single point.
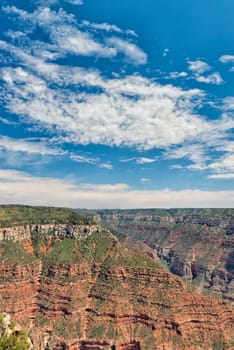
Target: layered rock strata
<point x="79" y="288"/>
<point x="196" y="247"/>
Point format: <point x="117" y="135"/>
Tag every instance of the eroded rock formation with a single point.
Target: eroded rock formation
<point x="197" y="245"/>
<point x="79" y="289"/>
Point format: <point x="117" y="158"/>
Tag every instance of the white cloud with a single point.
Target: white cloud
<point x="227" y="58"/>
<point x="145" y="180"/>
<point x="107" y="166"/>
<point x="176" y="75"/>
<point x="145" y="160"/>
<point x="214" y="78"/>
<point x="198" y="69"/>
<point x="198" y="66"/>
<point x="6" y="121"/>
<point x="127" y="160"/>
<point x="53" y="2"/>
<point x="67" y="37"/>
<point x="83" y="159"/>
<point x="19" y="187"/>
<point x="228" y="103"/>
<point x="221" y="176"/>
<point x="75" y="2"/>
<point x="132" y="52"/>
<point x="81" y="106"/>
<point x="194" y="152"/>
<point x="224" y="165"/>
<point x="107" y="28"/>
<point x="225" y="146"/>
<point x="215" y="139"/>
<point x="28" y="146"/>
<point x="132" y="111"/>
<point x="72" y="40"/>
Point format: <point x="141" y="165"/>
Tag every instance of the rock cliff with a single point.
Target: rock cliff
<point x="77" y="287"/>
<point x="197" y="245"/>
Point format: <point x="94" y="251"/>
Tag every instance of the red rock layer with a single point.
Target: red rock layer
<point x="19" y="286"/>
<point x="110" y="303"/>
<point x="129" y="309"/>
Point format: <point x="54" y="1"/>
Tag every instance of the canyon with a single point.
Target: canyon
<point x="195" y="244"/>
<point x="73" y="285"/>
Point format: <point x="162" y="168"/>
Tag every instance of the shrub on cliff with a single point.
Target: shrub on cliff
<point x="11" y="337"/>
<point x="14" y="342"/>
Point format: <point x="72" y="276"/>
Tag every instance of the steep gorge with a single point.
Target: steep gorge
<point x="196" y="244"/>
<point x="76" y="287"/>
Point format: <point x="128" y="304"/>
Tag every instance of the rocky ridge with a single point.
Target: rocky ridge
<point x="76" y="287"/>
<point x="196" y="246"/>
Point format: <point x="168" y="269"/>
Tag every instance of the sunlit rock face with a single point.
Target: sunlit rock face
<point x="196" y="244"/>
<point x="88" y="291"/>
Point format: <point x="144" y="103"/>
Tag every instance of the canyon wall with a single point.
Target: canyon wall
<point x="196" y="246"/>
<point x="77" y="287"/>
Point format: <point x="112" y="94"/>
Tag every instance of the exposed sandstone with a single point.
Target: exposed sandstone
<point x="195" y="246"/>
<point x="89" y="292"/>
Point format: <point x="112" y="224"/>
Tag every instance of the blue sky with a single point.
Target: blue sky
<point x="118" y="104"/>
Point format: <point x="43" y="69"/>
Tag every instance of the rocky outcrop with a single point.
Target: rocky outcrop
<point x="132" y="308"/>
<point x="26" y="232"/>
<point x="87" y="291"/>
<point x="19" y="285"/>
<point x="196" y="246"/>
<point x="226" y="222"/>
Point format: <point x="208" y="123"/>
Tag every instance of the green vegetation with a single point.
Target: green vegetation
<point x="97" y="332"/>
<point x="14" y="342"/>
<point x="13" y="215"/>
<point x="40" y="320"/>
<point x="127" y="257"/>
<point x="63" y="328"/>
<point x="65" y="251"/>
<point x="14" y="252"/>
<point x="205" y="212"/>
<point x="96" y="248"/>
<point x="11" y="339"/>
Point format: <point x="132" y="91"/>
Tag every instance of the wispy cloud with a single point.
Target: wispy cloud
<point x="222" y="168"/>
<point x="107" y="28"/>
<point x="6" y="121"/>
<point x="214" y="78"/>
<point x="139" y="160"/>
<point x="222" y="176"/>
<point x="75" y="2"/>
<point x="225" y="165"/>
<point x="176" y="75"/>
<point x="67" y="37"/>
<point x="83" y="159"/>
<point x="132" y="111"/>
<point x="107" y="166"/>
<point x="145" y="180"/>
<point x="196" y="153"/>
<point x="227" y="59"/>
<point x="20" y="187"/>
<point x="89" y="160"/>
<point x="28" y="146"/>
<point x="228" y="103"/>
<point x="84" y="106"/>
<point x="198" y="66"/>
<point x="145" y="160"/>
<point x="132" y="52"/>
